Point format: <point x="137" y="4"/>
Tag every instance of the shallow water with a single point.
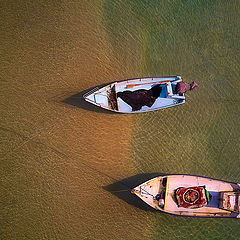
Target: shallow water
<point x="66" y="165"/>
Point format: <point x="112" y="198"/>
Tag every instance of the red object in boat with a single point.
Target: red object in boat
<point x="191" y="197"/>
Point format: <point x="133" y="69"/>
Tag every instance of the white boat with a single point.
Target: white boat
<point x="108" y="96"/>
<point x="189" y="195"/>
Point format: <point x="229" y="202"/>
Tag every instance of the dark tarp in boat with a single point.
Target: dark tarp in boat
<point x="139" y="98"/>
<point x="183" y="87"/>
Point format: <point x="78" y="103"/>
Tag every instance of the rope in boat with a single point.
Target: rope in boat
<point x="102" y="94"/>
<point x="147" y="192"/>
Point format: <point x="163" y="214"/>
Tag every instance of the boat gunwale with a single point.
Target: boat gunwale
<point x="193" y="175"/>
<point x="233" y="214"/>
<point x="104" y="86"/>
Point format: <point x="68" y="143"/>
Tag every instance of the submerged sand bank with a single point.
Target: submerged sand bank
<point x="58" y="157"/>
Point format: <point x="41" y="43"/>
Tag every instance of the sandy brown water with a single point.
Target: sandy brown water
<point x="66" y="165"/>
<point x="56" y="157"/>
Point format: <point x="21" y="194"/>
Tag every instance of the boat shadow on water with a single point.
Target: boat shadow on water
<point x="77" y="100"/>
<point x="122" y="189"/>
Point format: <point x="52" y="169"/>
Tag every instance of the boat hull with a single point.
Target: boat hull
<point x="150" y="190"/>
<point x="107" y="96"/>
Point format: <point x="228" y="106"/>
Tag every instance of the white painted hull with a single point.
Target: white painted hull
<point x="149" y="190"/>
<point x="101" y="96"/>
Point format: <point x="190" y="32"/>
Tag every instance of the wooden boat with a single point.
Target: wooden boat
<point x="188" y="195"/>
<point x="108" y="96"/>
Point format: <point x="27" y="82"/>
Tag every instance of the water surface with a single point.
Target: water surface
<point x="65" y="167"/>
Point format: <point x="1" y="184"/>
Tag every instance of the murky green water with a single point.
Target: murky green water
<point x="65" y="165"/>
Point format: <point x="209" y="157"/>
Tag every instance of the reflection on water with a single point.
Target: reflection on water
<point x="63" y="160"/>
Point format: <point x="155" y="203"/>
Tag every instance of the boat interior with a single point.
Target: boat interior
<point x="166" y="98"/>
<point x="222" y="197"/>
<point x="107" y="97"/>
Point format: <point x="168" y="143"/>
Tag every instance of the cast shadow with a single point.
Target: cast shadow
<point x="122" y="189"/>
<point x="77" y="100"/>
